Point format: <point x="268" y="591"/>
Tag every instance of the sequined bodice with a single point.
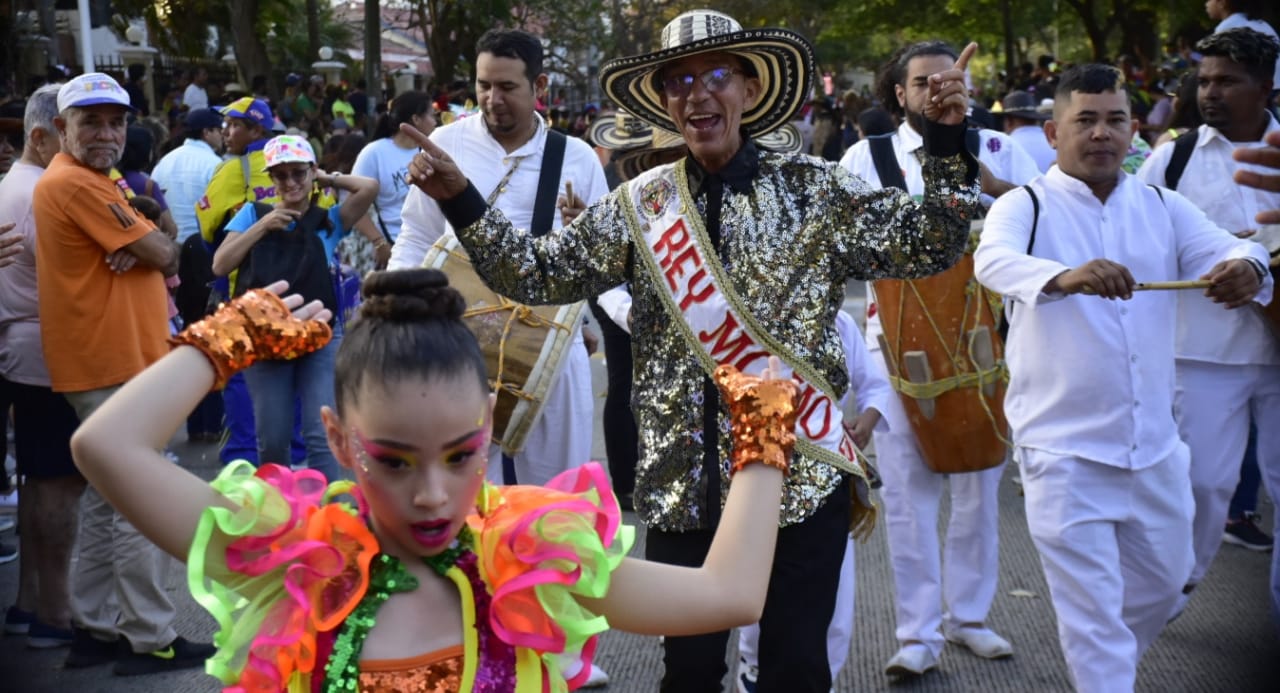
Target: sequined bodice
<point x="433" y="672"/>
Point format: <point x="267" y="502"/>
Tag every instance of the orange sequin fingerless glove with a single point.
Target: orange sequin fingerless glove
<point x="763" y="414"/>
<point x="254" y="327"/>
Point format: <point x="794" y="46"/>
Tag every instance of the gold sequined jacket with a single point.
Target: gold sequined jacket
<point x="790" y="242"/>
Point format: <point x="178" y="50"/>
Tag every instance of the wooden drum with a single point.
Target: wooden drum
<point x="524" y="346"/>
<point x="946" y="360"/>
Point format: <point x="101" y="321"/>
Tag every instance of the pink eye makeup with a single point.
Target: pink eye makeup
<point x="462" y="451"/>
<point x="392" y="457"/>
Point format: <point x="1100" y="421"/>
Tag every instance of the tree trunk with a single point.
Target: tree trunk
<point x="313" y="29"/>
<point x="251" y="54"/>
<point x="1096" y="30"/>
<point x="372" y="57"/>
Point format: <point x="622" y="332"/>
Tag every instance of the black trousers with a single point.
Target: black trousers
<point x="797" y="610"/>
<point x="621" y="441"/>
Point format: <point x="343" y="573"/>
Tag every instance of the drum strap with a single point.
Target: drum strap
<point x="886" y="162"/>
<point x="544" y="205"/>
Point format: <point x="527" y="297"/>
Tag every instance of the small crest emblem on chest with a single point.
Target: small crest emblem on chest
<point x="655" y="196"/>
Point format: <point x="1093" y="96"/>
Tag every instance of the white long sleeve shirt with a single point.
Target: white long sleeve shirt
<point x="484" y="161"/>
<point x="1006" y="160"/>
<point x="1205" y="331"/>
<point x="1089" y="377"/>
<point x="869" y="388"/>
<point x="184" y="174"/>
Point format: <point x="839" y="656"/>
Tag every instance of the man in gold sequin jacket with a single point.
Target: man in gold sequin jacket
<point x="790" y="230"/>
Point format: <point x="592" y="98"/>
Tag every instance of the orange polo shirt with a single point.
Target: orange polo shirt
<point x="99" y="328"/>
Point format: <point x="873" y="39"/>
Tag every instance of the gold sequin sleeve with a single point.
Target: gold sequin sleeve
<point x="789" y="243"/>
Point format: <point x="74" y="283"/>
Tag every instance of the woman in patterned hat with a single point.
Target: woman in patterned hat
<point x="294" y="240"/>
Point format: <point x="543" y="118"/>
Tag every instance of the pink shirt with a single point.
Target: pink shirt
<point x="21" y="358"/>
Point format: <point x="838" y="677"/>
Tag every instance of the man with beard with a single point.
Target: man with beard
<point x="1228" y="362"/>
<point x="937" y="600"/>
<point x="100" y="270"/>
<point x="1091" y="381"/>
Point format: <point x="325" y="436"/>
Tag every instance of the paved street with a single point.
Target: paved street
<point x="1224" y="641"/>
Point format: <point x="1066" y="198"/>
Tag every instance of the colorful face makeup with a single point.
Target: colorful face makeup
<point x="419" y="452"/>
<point x="394" y="457"/>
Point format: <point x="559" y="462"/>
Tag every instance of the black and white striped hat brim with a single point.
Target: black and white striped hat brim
<point x="782" y="59"/>
<point x="623" y="131"/>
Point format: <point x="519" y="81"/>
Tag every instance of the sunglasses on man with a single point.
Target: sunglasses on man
<point x="715" y="80"/>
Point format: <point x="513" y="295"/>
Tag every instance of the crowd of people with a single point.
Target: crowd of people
<point x="256" y="276"/>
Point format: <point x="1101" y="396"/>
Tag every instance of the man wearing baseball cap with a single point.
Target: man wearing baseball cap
<point x="100" y="270"/>
<point x="184" y="174"/>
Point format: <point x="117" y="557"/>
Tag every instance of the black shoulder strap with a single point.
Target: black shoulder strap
<point x="544" y="205"/>
<point x="1182" y="148"/>
<point x="261" y="209"/>
<point x="1007" y="318"/>
<point x="886" y="162"/>
<point x="315" y="219"/>
<point x="1159" y="192"/>
<point x="973" y="141"/>
<point x="1035" y="217"/>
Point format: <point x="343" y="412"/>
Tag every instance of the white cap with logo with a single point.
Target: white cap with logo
<point x="92" y="89"/>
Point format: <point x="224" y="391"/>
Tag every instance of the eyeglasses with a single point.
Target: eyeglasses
<point x="715" y="80"/>
<point x="297" y="175"/>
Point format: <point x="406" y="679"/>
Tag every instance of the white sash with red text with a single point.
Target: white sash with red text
<point x="712" y="318"/>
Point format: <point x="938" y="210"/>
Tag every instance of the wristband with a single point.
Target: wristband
<point x="254" y="327"/>
<point x="763" y="414"/>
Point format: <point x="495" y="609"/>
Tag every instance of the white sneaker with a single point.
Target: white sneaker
<point x="596" y="679"/>
<point x="982" y="642"/>
<point x="912" y="660"/>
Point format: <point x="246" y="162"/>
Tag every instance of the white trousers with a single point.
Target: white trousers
<point x="1213" y="403"/>
<point x="937" y="587"/>
<point x="839" y="633"/>
<point x="560" y="439"/>
<point x="1116" y="549"/>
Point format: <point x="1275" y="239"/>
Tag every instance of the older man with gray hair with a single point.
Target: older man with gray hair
<point x="43" y="420"/>
<point x="100" y="270"/>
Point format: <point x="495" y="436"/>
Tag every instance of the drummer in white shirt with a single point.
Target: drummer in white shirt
<point x="1090" y="397"/>
<point x="1228" y="362"/>
<point x="509" y="136"/>
<point x="937" y="600"/>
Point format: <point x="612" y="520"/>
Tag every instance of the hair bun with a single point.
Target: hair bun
<point x="410" y="295"/>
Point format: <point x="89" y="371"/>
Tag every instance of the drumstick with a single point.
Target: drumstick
<point x="568" y="193"/>
<point x="1159" y="286"/>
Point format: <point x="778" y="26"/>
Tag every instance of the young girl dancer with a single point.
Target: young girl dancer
<point x="429" y="579"/>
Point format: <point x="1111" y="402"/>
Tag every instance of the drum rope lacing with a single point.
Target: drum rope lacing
<point x="519" y="312"/>
<point x="964" y="377"/>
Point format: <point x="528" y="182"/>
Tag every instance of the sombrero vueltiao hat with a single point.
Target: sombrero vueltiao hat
<point x="665" y="147"/>
<point x="783" y="61"/>
<point x="622" y="131"/>
<point x="785" y="140"/>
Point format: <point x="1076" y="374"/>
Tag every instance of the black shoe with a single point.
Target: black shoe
<point x="180" y="654"/>
<point x="1245" y="532"/>
<point x="88" y="651"/>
